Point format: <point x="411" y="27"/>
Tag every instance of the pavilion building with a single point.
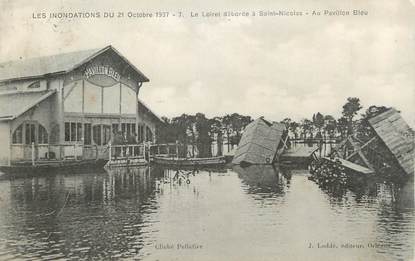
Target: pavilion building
<point x="70" y="106"/>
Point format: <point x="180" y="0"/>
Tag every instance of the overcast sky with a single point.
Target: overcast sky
<point x="276" y="67"/>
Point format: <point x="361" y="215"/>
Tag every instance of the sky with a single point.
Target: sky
<point x="277" y="67"/>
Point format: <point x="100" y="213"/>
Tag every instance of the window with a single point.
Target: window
<point x="30" y="131"/>
<point x="79" y="131"/>
<point x="73" y="131"/>
<point x="106" y="132"/>
<point x="128" y="129"/>
<point x="18" y="135"/>
<point x="42" y="135"/>
<point x="87" y="133"/>
<point x="67" y="131"/>
<point x="140" y="133"/>
<point x="34" y="85"/>
<point x="115" y="127"/>
<point x="97" y="134"/>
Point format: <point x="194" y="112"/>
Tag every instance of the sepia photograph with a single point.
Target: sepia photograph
<point x="207" y="130"/>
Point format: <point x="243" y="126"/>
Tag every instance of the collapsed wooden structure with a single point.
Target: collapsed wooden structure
<point x="392" y="144"/>
<point x="398" y="137"/>
<point x="262" y="143"/>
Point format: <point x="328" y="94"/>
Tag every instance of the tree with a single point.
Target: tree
<point x="181" y="126"/>
<point x="234" y="125"/>
<point x="307" y="127"/>
<point x="294" y="127"/>
<point x="318" y="121"/>
<point x="204" y="141"/>
<point x="227" y="128"/>
<point x="350" y="109"/>
<point x="342" y="126"/>
<point x="364" y="130"/>
<point x="217" y="130"/>
<point x="330" y="125"/>
<point x="286" y="122"/>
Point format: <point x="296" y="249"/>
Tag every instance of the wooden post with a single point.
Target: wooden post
<point x="109" y="154"/>
<point x="158" y="150"/>
<point x="136" y="114"/>
<point x="177" y="149"/>
<point x="74" y="151"/>
<point x="168" y="150"/>
<point x="33" y="153"/>
<point x="9" y="161"/>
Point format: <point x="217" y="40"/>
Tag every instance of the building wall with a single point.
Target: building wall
<point x="56" y="111"/>
<point x="40" y="113"/>
<point x="24" y="85"/>
<point x="147" y="120"/>
<point x="95" y="99"/>
<point x="5" y="143"/>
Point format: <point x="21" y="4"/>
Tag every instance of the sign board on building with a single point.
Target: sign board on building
<point x="102" y="75"/>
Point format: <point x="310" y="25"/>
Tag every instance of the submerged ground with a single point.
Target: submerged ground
<point x="257" y="213"/>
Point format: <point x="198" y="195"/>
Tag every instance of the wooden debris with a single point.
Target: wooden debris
<point x="260" y="143"/>
<point x="398" y="137"/>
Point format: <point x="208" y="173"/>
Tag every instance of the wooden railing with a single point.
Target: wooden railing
<point x="53" y="152"/>
<point x="164" y="150"/>
<point x="127" y="151"/>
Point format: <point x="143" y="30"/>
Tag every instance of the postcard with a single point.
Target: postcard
<point x="207" y="130"/>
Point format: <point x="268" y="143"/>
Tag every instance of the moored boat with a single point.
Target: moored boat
<point x="196" y="162"/>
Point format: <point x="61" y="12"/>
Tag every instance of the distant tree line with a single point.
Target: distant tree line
<point x="197" y="132"/>
<point x="327" y="126"/>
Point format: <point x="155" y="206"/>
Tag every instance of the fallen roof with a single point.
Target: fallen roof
<point x="259" y="142"/>
<point x="12" y="105"/>
<point x="397" y="136"/>
<point x="55" y="64"/>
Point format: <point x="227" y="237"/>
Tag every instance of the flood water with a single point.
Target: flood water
<point x="256" y="213"/>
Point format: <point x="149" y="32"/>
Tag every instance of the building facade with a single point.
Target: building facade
<point x="71" y="105"/>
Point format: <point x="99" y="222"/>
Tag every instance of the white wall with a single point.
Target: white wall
<point x="93" y="98"/>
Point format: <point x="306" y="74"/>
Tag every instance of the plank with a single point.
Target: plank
<point x="352" y="166"/>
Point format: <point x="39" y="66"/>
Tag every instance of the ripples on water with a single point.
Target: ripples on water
<point x="254" y="213"/>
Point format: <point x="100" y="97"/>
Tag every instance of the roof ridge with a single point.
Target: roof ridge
<point x="52" y="55"/>
<point x="38" y="67"/>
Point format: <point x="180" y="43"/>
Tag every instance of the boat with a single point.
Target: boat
<point x="27" y="168"/>
<point x="189" y="162"/>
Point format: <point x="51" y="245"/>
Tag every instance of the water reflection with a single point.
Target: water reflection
<point x="244" y="213"/>
<point x="96" y="214"/>
<point x="266" y="180"/>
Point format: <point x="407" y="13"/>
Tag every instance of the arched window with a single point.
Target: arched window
<point x="28" y="133"/>
<point x="34" y="85"/>
<point x="42" y="135"/>
<point x="18" y="135"/>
